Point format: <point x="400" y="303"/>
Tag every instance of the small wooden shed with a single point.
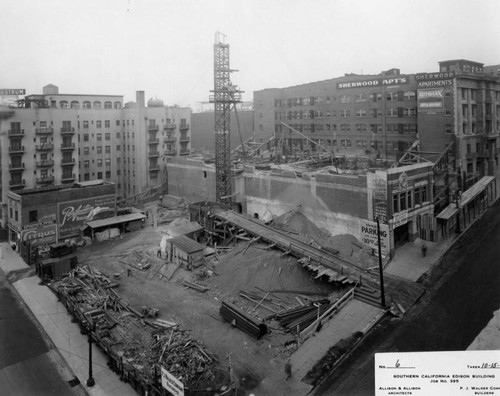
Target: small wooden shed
<point x="183" y="250"/>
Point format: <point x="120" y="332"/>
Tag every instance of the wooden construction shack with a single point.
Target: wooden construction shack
<point x="183" y="250"/>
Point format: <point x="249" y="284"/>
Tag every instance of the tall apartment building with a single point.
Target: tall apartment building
<point x="364" y="114"/>
<point x="382" y="115"/>
<point x="62" y="138"/>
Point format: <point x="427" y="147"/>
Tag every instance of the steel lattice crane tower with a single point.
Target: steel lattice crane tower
<point x="225" y="95"/>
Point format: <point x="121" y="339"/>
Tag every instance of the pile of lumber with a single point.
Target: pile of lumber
<point x="136" y="346"/>
<point x="301" y="317"/>
<point x="140" y="259"/>
<point x="195" y="286"/>
<point x="232" y="314"/>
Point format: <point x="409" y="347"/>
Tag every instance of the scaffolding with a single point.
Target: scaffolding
<point x="224" y="95"/>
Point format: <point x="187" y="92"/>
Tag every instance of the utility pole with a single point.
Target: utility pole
<point x="381" y="270"/>
<point x="458" y="196"/>
<point x="90" y="381"/>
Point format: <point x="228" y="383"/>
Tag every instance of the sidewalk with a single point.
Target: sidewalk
<point x="65" y="335"/>
<point x="408" y="262"/>
<point x="354" y="316"/>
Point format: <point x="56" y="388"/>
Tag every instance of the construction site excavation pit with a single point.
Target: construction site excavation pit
<point x="258" y="279"/>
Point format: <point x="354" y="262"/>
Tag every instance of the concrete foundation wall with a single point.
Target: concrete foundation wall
<point x="336" y="203"/>
<point x="191" y="179"/>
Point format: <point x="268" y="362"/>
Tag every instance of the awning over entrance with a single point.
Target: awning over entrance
<point x="467" y="196"/>
<point x="114" y="220"/>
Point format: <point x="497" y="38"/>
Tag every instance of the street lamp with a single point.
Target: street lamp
<point x="381" y="270"/>
<point x="90" y="381"/>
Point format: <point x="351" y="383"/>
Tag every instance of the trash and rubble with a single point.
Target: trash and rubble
<point x="137" y="347"/>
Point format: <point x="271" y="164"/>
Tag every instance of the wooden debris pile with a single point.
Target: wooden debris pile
<point x="136" y="346"/>
<point x="140" y="260"/>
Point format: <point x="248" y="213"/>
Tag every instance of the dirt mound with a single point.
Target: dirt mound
<point x="296" y="222"/>
<point x="266" y="269"/>
<point x="348" y="246"/>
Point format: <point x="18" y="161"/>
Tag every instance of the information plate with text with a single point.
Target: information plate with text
<point x="460" y="373"/>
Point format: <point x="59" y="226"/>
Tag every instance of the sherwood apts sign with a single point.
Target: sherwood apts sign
<point x="374" y="82"/>
<point x="430" y="92"/>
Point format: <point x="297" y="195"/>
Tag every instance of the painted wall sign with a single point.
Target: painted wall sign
<point x="368" y="232"/>
<point x="380" y="210"/>
<point x="434" y="76"/>
<point x="5" y="91"/>
<point x="374" y="83"/>
<point x="400" y="219"/>
<point x="171" y="383"/>
<point x="43" y="234"/>
<point x="430" y="99"/>
<point x="72" y="215"/>
<point x="437" y="83"/>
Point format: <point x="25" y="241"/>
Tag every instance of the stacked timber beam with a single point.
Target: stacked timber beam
<point x="242" y="320"/>
<point x="297" y="319"/>
<point x="137" y="347"/>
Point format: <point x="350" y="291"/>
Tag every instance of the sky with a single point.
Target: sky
<point x="165" y="47"/>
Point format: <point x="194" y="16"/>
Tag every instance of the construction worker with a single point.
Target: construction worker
<point x="288" y="369"/>
<point x="424" y="250"/>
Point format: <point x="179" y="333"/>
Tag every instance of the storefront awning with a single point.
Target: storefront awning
<point x="467" y="196"/>
<point x="114" y="220"/>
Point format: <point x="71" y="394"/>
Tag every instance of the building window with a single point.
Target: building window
<point x="85" y="124"/>
<point x="345" y="113"/>
<point x="107" y="136"/>
<point x="391" y="96"/>
<point x="360" y="113"/>
<point x="361" y="128"/>
<point x="118" y="105"/>
<point x="86" y="151"/>
<point x="345" y="99"/>
<point x="118" y="147"/>
<point x="85" y="137"/>
<point x="99" y="137"/>
<point x="360" y="97"/>
<point x="33" y="216"/>
<point x="99" y="149"/>
<point x="86" y="163"/>
<point x="63" y="104"/>
<point x="409" y="112"/>
<point x="99" y="162"/>
<point x="97" y="105"/>
<point x="448" y="128"/>
<point x="107" y="149"/>
<point x="409" y="95"/>
<point x="75" y="105"/>
<point x="99" y="175"/>
<point x="391" y="112"/>
<point x="345" y="127"/>
<point x="98" y="124"/>
<point x="108" y="105"/>
<point x="87" y="105"/>
<point x="376" y="97"/>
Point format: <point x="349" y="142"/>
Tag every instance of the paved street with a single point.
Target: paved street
<point x="27" y="365"/>
<point x="462" y="295"/>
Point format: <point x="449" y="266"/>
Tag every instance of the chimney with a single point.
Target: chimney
<point x="140" y="99"/>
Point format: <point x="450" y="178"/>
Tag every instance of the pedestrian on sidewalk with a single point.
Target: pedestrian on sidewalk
<point x="424" y="250"/>
<point x="288" y="369"/>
